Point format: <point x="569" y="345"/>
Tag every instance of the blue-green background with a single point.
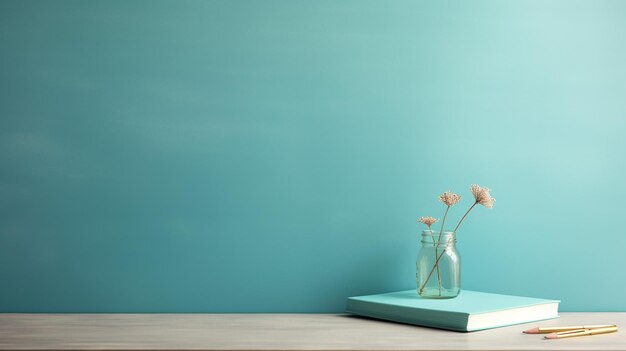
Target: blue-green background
<point x="273" y="156"/>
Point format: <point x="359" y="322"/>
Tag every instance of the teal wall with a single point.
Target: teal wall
<point x="273" y="156"/>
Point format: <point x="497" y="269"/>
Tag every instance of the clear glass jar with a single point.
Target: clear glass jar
<point x="438" y="271"/>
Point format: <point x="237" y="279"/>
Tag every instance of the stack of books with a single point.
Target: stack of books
<point x="470" y="311"/>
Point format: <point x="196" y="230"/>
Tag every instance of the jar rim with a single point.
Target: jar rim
<point x="446" y="239"/>
<point x="437" y="232"/>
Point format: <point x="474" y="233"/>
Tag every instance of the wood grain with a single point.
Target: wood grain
<point x="288" y="332"/>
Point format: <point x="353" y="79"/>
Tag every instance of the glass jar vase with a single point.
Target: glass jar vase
<point x="438" y="271"/>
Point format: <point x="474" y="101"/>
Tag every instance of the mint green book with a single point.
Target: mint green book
<point x="470" y="311"/>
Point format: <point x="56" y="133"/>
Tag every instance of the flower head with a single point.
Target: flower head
<point x="482" y="195"/>
<point x="428" y="220"/>
<point x="449" y="198"/>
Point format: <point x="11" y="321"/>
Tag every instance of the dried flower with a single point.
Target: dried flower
<point x="428" y="221"/>
<point x="482" y="196"/>
<point x="449" y="198"/>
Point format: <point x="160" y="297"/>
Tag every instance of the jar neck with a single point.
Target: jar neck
<point x="432" y="238"/>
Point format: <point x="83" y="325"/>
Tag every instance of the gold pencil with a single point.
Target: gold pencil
<point x="581" y="332"/>
<point x="545" y="330"/>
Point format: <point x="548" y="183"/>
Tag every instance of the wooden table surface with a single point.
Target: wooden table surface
<point x="279" y="332"/>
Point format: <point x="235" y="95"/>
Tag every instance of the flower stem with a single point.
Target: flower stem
<point x="432" y="236"/>
<point x="465" y="215"/>
<point x="436" y="265"/>
<point x="435" y="244"/>
<point x="443" y="222"/>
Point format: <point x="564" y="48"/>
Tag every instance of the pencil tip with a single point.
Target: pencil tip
<point x="531" y="331"/>
<point x="551" y="336"/>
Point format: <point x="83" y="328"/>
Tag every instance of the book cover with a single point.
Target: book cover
<point x="470" y="311"/>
